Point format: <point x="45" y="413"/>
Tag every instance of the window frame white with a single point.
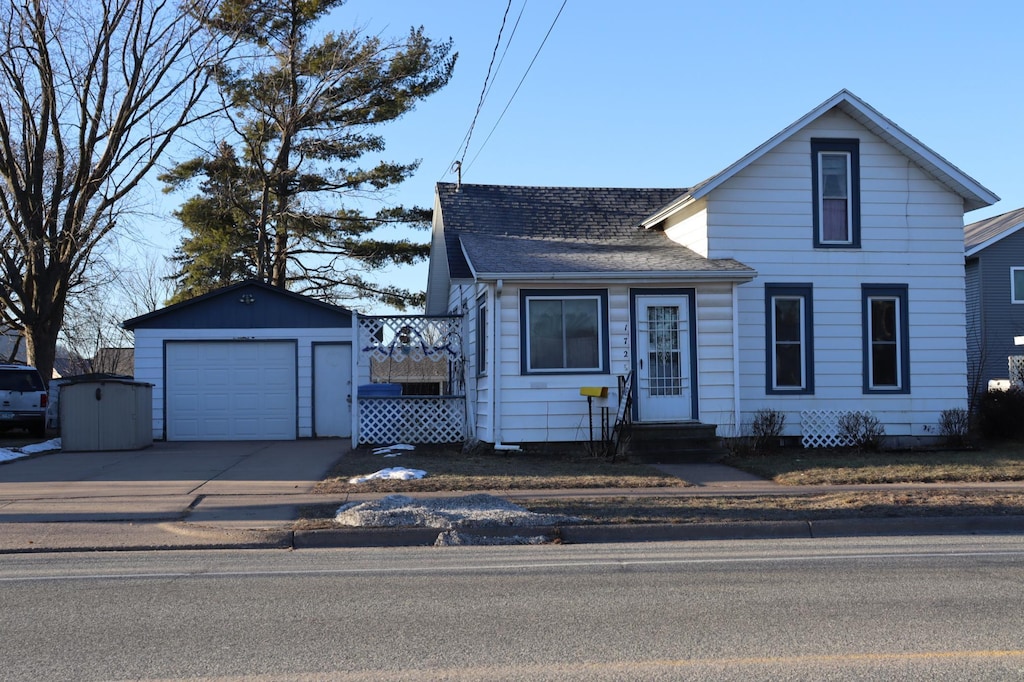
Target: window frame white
<point x="1013" y="285"/>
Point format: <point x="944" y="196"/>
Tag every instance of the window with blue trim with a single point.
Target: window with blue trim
<point x="789" y="361"/>
<point x="564" y="331"/>
<point x="835" y="185"/>
<point x="886" y="338"/>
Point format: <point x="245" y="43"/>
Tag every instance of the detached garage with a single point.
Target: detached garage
<point x="247" y="362"/>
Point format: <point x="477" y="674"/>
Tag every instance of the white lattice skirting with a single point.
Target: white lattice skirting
<point x="411" y="419"/>
<point x="820" y="428"/>
<point x="1016" y="367"/>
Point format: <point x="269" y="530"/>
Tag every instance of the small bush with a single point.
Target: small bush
<point x="1001" y="414"/>
<point x="766" y="429"/>
<point x="862" y="430"/>
<point x="954" y="427"/>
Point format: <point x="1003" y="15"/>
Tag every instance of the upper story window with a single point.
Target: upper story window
<point x="1017" y="285"/>
<point x="835" y="185"/>
<point x="564" y="331"/>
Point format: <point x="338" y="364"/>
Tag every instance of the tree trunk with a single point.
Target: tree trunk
<point x="41" y="345"/>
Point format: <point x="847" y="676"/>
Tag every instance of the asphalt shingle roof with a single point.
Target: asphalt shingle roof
<point x="507" y="230"/>
<point x="982" y="231"/>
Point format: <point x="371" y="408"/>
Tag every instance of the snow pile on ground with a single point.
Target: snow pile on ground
<point x="392" y="474"/>
<point x="394" y="450"/>
<point x="7" y="454"/>
<point x="471" y="511"/>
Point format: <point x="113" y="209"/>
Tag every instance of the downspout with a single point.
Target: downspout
<point x="736" y="359"/>
<point x="496" y="365"/>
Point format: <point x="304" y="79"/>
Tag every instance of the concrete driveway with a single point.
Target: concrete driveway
<point x="164" y="481"/>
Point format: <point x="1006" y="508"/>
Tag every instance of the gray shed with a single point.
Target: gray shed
<point x="106" y="414"/>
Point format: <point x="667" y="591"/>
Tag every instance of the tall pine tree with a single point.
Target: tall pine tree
<point x="281" y="200"/>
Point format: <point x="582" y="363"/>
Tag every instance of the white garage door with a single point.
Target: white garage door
<point x="237" y="390"/>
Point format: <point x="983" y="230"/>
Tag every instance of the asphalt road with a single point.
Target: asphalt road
<point x="865" y="608"/>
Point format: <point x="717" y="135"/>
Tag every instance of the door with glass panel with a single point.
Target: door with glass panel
<point x="663" y="384"/>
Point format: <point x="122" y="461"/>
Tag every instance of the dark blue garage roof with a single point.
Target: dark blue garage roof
<point x="247" y="305"/>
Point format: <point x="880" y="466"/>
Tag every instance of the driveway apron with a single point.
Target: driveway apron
<point x="159" y="482"/>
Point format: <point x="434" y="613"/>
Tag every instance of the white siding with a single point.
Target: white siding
<point x="549" y="408"/>
<point x="149" y="362"/>
<point x="911" y="233"/>
<point x="690" y="228"/>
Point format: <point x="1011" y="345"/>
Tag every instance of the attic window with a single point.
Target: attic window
<point x="835" y="182"/>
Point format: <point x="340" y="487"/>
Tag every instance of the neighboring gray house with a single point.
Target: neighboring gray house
<point x="247" y="362"/>
<point x="820" y="273"/>
<point x="994" y="252"/>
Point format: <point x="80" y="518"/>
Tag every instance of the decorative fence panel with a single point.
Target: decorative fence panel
<point x="1016" y="363"/>
<point x="820" y="429"/>
<point x="412" y="419"/>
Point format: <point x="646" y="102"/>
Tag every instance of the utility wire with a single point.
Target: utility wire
<point x="503" y="111"/>
<point x="508" y="44"/>
<point x="464" y="147"/>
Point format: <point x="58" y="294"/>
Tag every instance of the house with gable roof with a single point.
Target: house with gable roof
<point x="994" y="262"/>
<point x="820" y="273"/>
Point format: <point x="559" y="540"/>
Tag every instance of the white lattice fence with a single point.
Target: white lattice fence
<point x="412" y="338"/>
<point x="411" y="419"/>
<point x="820" y="428"/>
<point x="1016" y="363"/>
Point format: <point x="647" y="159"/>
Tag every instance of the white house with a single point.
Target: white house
<point x="823" y="271"/>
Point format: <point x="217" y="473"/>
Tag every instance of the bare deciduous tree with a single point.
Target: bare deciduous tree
<point x="91" y="95"/>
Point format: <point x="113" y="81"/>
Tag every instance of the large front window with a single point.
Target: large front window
<point x="564" y="332"/>
<point x="788" y="315"/>
<point x="835" y="171"/>
<point x="886" y="346"/>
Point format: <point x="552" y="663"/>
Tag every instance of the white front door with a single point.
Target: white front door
<point x="332" y="389"/>
<point x="663" y="384"/>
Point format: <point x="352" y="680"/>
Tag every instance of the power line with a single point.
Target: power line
<point x="464" y="147"/>
<point x="528" y="68"/>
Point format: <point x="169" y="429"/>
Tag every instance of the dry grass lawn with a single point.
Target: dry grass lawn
<point x="996" y="462"/>
<point x="451" y="469"/>
<point x="784" y="507"/>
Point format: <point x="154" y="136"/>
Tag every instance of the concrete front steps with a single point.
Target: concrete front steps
<point x="677" y="442"/>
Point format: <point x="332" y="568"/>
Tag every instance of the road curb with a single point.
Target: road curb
<point x="925" y="525"/>
<point x="184" y="536"/>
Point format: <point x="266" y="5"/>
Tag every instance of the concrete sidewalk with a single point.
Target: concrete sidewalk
<point x="247" y="495"/>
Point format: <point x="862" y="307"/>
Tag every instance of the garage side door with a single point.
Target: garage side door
<point x="231" y="390"/>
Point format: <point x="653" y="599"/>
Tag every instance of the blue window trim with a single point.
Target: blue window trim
<point x="900" y="292"/>
<point x="481" y="336"/>
<point x="602" y="332"/>
<point x="852" y="147"/>
<point x="691" y="294"/>
<point x="804" y="291"/>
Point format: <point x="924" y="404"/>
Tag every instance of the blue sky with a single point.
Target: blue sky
<point x="661" y="93"/>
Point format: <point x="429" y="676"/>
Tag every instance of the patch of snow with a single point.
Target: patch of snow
<point x="393" y="474"/>
<point x="389" y="451"/>
<point x="8" y="454"/>
<point x="41" y="447"/>
<point x="471" y="511"/>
